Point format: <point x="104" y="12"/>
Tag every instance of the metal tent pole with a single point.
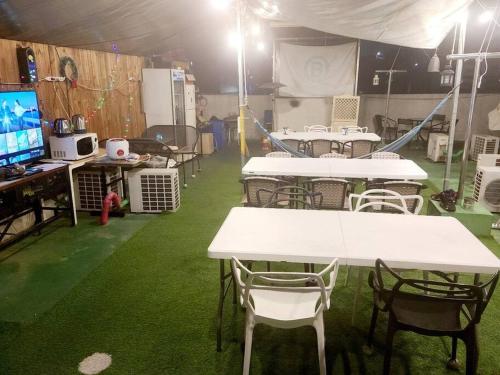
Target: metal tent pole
<point x="468" y="134"/>
<point x="384" y="130"/>
<point x="242" y="99"/>
<point x="456" y="97"/>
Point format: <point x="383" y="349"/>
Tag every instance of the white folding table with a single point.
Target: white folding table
<point x="339" y="137"/>
<point x="431" y="243"/>
<point x="329" y="167"/>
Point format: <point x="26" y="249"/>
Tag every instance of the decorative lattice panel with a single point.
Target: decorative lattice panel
<point x="345" y="111"/>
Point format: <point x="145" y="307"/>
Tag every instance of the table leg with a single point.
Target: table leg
<point x="357" y="295"/>
<point x="222" y="287"/>
<point x="71" y="196"/>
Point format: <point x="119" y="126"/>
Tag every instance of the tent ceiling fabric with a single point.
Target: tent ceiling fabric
<point x="138" y="27"/>
<point x="409" y="23"/>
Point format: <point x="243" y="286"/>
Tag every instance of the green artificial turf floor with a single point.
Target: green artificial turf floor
<point x="151" y="304"/>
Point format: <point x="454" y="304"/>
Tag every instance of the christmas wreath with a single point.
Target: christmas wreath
<point x="63" y="63"/>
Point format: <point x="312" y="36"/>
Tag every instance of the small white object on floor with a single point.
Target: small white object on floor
<point x="94" y="364"/>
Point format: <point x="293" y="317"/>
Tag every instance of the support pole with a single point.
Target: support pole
<point x="468" y="133"/>
<point x="242" y="97"/>
<point x="456" y="97"/>
<point x="387" y="99"/>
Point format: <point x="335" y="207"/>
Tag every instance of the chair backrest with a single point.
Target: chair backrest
<point x="384" y="201"/>
<point x="334" y="155"/>
<point x="385" y="155"/>
<point x="441" y="299"/>
<point x="333" y="192"/>
<point x="319" y="147"/>
<point x="317" y="128"/>
<point x="437" y="118"/>
<point x="406" y="188"/>
<point x="355" y="129"/>
<point x="278" y="154"/>
<point x="405" y="121"/>
<point x="288" y="196"/>
<point x="378" y="124"/>
<point x="360" y="147"/>
<point x="293" y="144"/>
<point x="253" y="184"/>
<point x="286" y="282"/>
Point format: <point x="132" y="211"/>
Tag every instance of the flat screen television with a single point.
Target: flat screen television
<point x="21" y="136"/>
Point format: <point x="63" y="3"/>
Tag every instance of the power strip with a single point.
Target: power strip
<point x="55" y="79"/>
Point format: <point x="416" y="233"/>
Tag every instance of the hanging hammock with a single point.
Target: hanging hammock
<point x="391" y="147"/>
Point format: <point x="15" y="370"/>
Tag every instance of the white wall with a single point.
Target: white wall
<point x="420" y="105"/>
<point x="226" y="105"/>
<point x="318" y="110"/>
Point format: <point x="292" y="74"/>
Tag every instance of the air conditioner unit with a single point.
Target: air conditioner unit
<point x="488" y="160"/>
<point x="90" y="190"/>
<point x="437" y="146"/>
<point x="154" y="190"/>
<point x="483" y="144"/>
<point x="487" y="187"/>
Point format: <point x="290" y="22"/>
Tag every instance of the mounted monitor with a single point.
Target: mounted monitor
<point x="21" y="137"/>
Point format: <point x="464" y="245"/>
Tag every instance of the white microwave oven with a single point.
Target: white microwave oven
<point x="74" y="147"/>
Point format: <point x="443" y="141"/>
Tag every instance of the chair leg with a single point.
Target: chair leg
<point x="373" y="324"/>
<point x="320" y="334"/>
<point x="472" y="352"/>
<point x="249" y="326"/>
<point x="453" y="362"/>
<point x="388" y="347"/>
<point x="198" y="162"/>
<point x="193" y="175"/>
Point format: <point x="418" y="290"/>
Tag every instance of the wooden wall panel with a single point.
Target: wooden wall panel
<point x="95" y="73"/>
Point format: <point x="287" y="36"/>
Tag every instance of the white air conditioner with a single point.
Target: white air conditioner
<point x="437" y="146"/>
<point x="90" y="190"/>
<point x="154" y="190"/>
<point x="483" y="144"/>
<point x="487" y="187"/>
<point x="488" y="160"/>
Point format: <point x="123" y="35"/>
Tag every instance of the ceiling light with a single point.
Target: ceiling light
<point x="447" y="76"/>
<point x="379" y="55"/>
<point x="376" y="80"/>
<point x="486" y="16"/>
<point x="220" y="4"/>
<point x="234" y="40"/>
<point x="255" y="29"/>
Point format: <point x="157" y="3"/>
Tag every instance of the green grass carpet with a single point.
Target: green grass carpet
<point x="152" y="306"/>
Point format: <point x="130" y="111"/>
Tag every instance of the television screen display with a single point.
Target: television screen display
<point x="21" y="137"/>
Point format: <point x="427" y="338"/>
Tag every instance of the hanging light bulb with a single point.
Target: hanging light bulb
<point x="447" y="76"/>
<point x="376" y="80"/>
<point x="434" y="64"/>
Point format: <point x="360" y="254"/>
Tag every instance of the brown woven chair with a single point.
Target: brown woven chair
<point x="319" y="147"/>
<point x="253" y="184"/>
<point x="289" y="196"/>
<point x="430" y="308"/>
<point x="360" y="147"/>
<point x="333" y="192"/>
<point x="404" y="188"/>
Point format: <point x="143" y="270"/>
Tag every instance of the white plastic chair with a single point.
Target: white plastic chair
<point x="380" y="197"/>
<point x="284" y="300"/>
<point x="278" y="154"/>
<point x="334" y="155"/>
<point x="354" y="129"/>
<point x="317" y="128"/>
<point x="385" y="155"/>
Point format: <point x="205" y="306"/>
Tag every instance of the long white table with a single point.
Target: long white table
<point x="339" y="137"/>
<point x="329" y="167"/>
<point x="431" y="243"/>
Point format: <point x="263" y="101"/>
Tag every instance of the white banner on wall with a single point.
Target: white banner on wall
<point x="316" y="71"/>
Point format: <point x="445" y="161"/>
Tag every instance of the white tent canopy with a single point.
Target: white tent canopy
<point x="410" y="23"/>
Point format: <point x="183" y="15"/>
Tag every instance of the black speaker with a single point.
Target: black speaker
<point x="27" y="65"/>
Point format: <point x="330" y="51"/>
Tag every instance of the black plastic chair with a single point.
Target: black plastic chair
<point x="288" y="197"/>
<point x="182" y="140"/>
<point x="431" y="308"/>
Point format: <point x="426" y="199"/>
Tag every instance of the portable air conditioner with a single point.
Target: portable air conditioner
<point x="488" y="160"/>
<point x="154" y="190"/>
<point x="487" y="187"/>
<point x="437" y="146"/>
<point x="483" y="144"/>
<point x="89" y="189"/>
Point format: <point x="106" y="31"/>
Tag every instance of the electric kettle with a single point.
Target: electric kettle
<point x="62" y="127"/>
<point x="78" y="122"/>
